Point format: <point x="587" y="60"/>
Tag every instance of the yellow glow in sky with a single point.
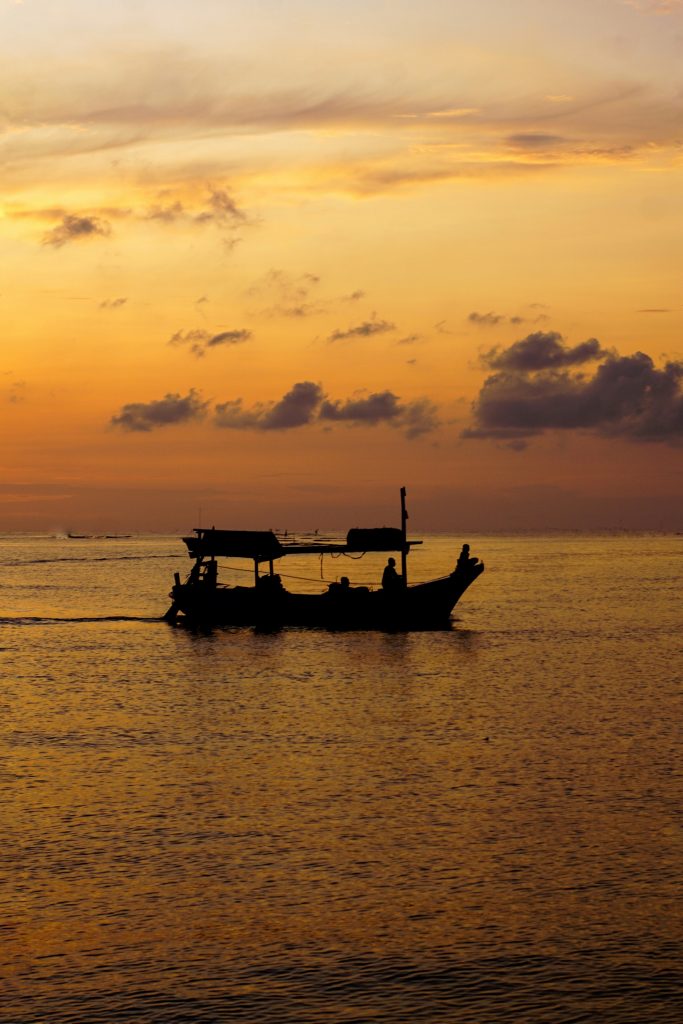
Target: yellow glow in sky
<point x="294" y="256"/>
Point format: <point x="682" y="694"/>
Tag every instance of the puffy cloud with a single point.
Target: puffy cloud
<point x="376" y="408"/>
<point x="200" y="340"/>
<point x="73" y="228"/>
<point x="535" y="390"/>
<point x="414" y="418"/>
<point x="295" y="409"/>
<point x="542" y="350"/>
<point x="141" y="417"/>
<point x="364" y="330"/>
<point x="306" y="404"/>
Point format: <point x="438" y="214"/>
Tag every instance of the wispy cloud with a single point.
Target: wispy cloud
<point x="74" y="228"/>
<point x="493" y="319"/>
<point x="215" y="207"/>
<point x="200" y="341"/>
<point x="290" y="295"/>
<point x="366" y="329"/>
<point x="113" y="303"/>
<point x="372" y="139"/>
<point x="15" y="393"/>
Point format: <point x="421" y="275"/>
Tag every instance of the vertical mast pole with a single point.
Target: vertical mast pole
<point x="404" y="533"/>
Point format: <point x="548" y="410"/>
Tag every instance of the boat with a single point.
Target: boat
<point x="201" y="600"/>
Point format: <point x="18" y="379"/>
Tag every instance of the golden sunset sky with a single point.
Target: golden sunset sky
<point x="274" y="260"/>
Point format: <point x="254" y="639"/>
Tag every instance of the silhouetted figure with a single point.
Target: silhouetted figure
<point x="391" y="581"/>
<point x="464" y="561"/>
<point x="211" y="573"/>
<point x="341" y="588"/>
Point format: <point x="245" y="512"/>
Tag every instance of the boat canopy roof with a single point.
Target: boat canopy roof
<point x="261" y="545"/>
<point x="264" y="545"/>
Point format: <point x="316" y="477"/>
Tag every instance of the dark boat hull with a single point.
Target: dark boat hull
<point x="421" y="606"/>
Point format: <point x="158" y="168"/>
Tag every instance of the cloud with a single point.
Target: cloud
<point x="493" y="319"/>
<point x="16" y="392"/>
<point x="218" y="208"/>
<point x="365" y="330"/>
<point x="221" y="209"/>
<point x="172" y="409"/>
<point x="415" y="418"/>
<point x="383" y="405"/>
<point x="73" y="228"/>
<point x="306" y="404"/>
<point x="536" y="390"/>
<point x="297" y="408"/>
<point x="167" y="214"/>
<point x="200" y="340"/>
<point x="286" y="294"/>
<point x="113" y="303"/>
<point x="542" y="351"/>
<point x="535" y="140"/>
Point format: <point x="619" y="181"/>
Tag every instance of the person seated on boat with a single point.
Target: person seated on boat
<point x="270" y="582"/>
<point x="340" y="588"/>
<point x="464" y="560"/>
<point x="391" y="581"/>
<point x="211" y="573"/>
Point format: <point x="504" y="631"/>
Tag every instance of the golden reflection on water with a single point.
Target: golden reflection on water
<point x="213" y="822"/>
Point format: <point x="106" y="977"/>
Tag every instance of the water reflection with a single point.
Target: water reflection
<point x="481" y="824"/>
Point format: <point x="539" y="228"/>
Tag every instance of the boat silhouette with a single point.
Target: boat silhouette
<point x="396" y="605"/>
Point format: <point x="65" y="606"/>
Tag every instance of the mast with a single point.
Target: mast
<point x="404" y="534"/>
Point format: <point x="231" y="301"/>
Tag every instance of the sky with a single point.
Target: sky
<point x="263" y="263"/>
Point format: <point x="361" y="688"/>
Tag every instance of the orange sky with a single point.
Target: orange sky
<point x="275" y="261"/>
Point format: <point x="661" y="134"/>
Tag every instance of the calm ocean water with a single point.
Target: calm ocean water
<point x="483" y="825"/>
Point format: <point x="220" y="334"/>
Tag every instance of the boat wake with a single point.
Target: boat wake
<point x="40" y="620"/>
<point x="89" y="558"/>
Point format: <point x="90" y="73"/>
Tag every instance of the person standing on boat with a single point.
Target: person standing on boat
<point x="391" y="581"/>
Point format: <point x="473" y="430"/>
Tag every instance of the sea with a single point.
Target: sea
<point x="478" y="825"/>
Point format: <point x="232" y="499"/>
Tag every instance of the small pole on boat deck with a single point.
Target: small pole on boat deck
<point x="404" y="533"/>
